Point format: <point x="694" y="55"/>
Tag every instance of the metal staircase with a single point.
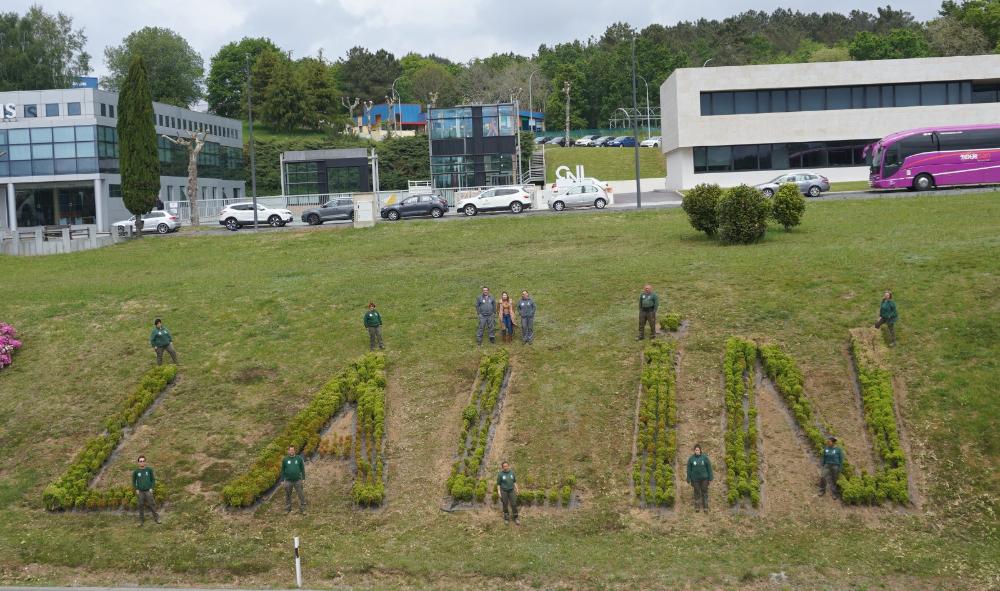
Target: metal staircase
<point x="536" y="169"/>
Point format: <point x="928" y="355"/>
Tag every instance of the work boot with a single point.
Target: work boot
<point x="493" y="340"/>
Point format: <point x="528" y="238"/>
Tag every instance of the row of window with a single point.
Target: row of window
<point x="303" y="178"/>
<point x="831" y="98"/>
<point x="780" y="156"/>
<point x="50" y="110"/>
<point x="108" y="110"/>
<point x="460" y="171"/>
<point x="465" y="122"/>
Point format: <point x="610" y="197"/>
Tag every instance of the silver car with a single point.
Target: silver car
<point x="158" y="221"/>
<point x="809" y="183"/>
<point x="586" y="194"/>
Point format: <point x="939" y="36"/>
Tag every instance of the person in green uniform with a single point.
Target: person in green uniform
<point x="143" y="482"/>
<point x="373" y="322"/>
<point x="888" y="315"/>
<point x="161" y="341"/>
<point x="293" y="472"/>
<point x="507" y="489"/>
<point x="699" y="474"/>
<point x="649" y="302"/>
<point x="833" y="462"/>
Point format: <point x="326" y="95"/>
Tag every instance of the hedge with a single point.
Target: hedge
<point x="743" y="213"/>
<point x="671" y="321"/>
<point x="653" y="472"/>
<point x="788" y="206"/>
<point x="369" y="481"/>
<point x="361" y="379"/>
<point x="742" y="463"/>
<point x="464" y="483"/>
<point x="700" y="204"/>
<point x="72" y="489"/>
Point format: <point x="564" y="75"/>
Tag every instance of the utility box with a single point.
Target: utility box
<point x="365" y="213"/>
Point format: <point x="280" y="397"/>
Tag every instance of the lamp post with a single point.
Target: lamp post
<point x="706" y="61"/>
<point x="635" y="131"/>
<point x="649" y="127"/>
<point x="253" y="151"/>
<point x="531" y="104"/>
<point x="396" y="96"/>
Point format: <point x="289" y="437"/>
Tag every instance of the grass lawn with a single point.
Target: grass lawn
<point x="262" y="321"/>
<point x="849" y="186"/>
<point x="606" y="164"/>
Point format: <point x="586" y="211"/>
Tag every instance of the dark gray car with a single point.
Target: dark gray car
<point x="430" y="204"/>
<point x="809" y="183"/>
<point x="339" y="208"/>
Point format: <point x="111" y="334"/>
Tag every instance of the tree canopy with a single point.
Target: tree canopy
<point x="40" y="50"/>
<point x="227" y="75"/>
<point x="175" y="70"/>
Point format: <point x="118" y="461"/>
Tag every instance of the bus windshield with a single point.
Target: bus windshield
<point x="876" y="156"/>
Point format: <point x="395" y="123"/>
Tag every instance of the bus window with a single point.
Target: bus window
<point x="891" y="160"/>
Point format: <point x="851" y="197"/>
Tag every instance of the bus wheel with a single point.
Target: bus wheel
<point x="923" y="182"/>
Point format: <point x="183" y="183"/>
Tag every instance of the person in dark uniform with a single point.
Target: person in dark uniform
<point x="649" y="302"/>
<point x="699" y="474"/>
<point x="507" y="489"/>
<point x="373" y="322"/>
<point x="486" y="310"/>
<point x="888" y="315"/>
<point x="833" y="463"/>
<point x="143" y="482"/>
<point x="526" y="311"/>
<point x="293" y="472"/>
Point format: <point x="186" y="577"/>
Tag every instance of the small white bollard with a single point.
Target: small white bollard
<point x="298" y="564"/>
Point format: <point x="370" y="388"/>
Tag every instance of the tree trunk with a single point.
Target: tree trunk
<point x="193" y="185"/>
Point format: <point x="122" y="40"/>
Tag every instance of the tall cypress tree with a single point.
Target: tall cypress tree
<point x="138" y="158"/>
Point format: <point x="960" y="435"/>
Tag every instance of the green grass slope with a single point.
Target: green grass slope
<point x="607" y="164"/>
<point x="262" y="321"/>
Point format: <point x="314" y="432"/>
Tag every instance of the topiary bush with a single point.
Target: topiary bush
<point x="788" y="206"/>
<point x="743" y="213"/>
<point x="700" y="205"/>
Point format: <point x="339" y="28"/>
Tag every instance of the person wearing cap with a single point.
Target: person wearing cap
<point x="833" y="462"/>
<point x="649" y="303"/>
<point x="161" y="341"/>
<point x="888" y="315"/>
<point x="699" y="474"/>
<point x="373" y="322"/>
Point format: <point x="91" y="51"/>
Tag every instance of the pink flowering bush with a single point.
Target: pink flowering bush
<point x="8" y="344"/>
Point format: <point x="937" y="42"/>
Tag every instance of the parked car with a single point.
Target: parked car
<point x="238" y="215"/>
<point x="622" y="141"/>
<point x="515" y="199"/>
<point x="652" y="142"/>
<point x="601" y="141"/>
<point x="809" y="183"/>
<point x="340" y="208"/>
<point x="430" y="204"/>
<point x="559" y="140"/>
<point x="585" y="140"/>
<point x="542" y="139"/>
<point x="158" y="221"/>
<point x="558" y="189"/>
<point x="584" y="194"/>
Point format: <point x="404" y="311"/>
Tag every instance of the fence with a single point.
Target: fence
<point x="42" y="240"/>
<point x="579" y="133"/>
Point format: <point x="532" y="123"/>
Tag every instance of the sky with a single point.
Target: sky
<point x="455" y="29"/>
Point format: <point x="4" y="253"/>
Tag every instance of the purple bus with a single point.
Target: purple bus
<point x="930" y="157"/>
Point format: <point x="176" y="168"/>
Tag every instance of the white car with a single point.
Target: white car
<point x="158" y="221"/>
<point x="515" y="199"/>
<point x="653" y="142"/>
<point x="583" y="194"/>
<point x="238" y="215"/>
<point x="558" y="189"/>
<point x="587" y="140"/>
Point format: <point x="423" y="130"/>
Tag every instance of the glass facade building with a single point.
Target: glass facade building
<point x="59" y="157"/>
<point x="474" y="145"/>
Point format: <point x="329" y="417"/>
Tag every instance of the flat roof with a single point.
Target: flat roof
<point x="338" y="154"/>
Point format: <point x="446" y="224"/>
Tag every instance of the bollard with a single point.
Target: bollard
<point x="298" y="565"/>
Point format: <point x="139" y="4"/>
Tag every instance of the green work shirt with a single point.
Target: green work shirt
<point x="833" y="455"/>
<point x="293" y="468"/>
<point x="506" y="480"/>
<point x="160" y="337"/>
<point x="648" y="301"/>
<point x="143" y="479"/>
<point x="699" y="468"/>
<point x="887" y="310"/>
<point x="372" y="318"/>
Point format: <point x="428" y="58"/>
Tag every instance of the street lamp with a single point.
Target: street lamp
<point x="649" y="128"/>
<point x="253" y="151"/>
<point x="396" y="95"/>
<point x="531" y="105"/>
<point x="635" y="132"/>
<point x="706" y="61"/>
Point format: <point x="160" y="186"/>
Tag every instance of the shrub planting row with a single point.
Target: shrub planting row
<point x="656" y="446"/>
<point x="303" y="432"/>
<point x="72" y="489"/>
<point x="671" y="321"/>
<point x="875" y="380"/>
<point x="560" y="495"/>
<point x="369" y="480"/>
<point x="742" y="475"/>
<point x="464" y="483"/>
<point x="8" y="344"/>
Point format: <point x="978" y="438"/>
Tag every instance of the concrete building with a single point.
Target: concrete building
<point x="59" y="158"/>
<point x="746" y="124"/>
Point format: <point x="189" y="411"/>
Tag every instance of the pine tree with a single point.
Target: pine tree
<point x="284" y="104"/>
<point x="139" y="160"/>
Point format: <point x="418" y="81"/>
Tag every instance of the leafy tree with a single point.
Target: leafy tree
<point x="40" y="50"/>
<point x="743" y="213"/>
<point x="175" y="69"/>
<point x="283" y="105"/>
<point x="227" y="74"/>
<point x="984" y="15"/>
<point x="431" y="78"/>
<point x="368" y="75"/>
<point x="139" y="160"/>
<point x="263" y="72"/>
<point x="830" y="54"/>
<point x="700" y="204"/>
<point x="322" y="100"/>
<point x="897" y="44"/>
<point x="949" y="36"/>
<point x="788" y="206"/>
<point x="402" y="159"/>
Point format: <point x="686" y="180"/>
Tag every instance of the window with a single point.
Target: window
<point x="65" y="150"/>
<point x="745" y="102"/>
<point x="700" y="160"/>
<point x="104" y="110"/>
<point x="779" y="101"/>
<point x="302" y="178"/>
<point x="236" y="193"/>
<point x="858" y="97"/>
<point x="983" y="93"/>
<point x="813" y="99"/>
<point x="111" y="111"/>
<point x="763" y="101"/>
<point x="745" y="157"/>
<point x="52" y="109"/>
<point x="30" y="111"/>
<point x="706" y="103"/>
<point x="838" y="98"/>
<point x="85" y="133"/>
<point x="872" y="96"/>
<point x="170" y="193"/>
<point x="888" y="95"/>
<point x="907" y="95"/>
<point x="63" y="134"/>
<point x="722" y="103"/>
<point x="935" y="93"/>
<point x="73" y="109"/>
<point x="41" y="135"/>
<point x="780" y="156"/>
<point x="719" y="158"/>
<point x="160" y="120"/>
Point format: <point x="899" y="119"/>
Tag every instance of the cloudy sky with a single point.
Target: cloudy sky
<point x="456" y="29"/>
